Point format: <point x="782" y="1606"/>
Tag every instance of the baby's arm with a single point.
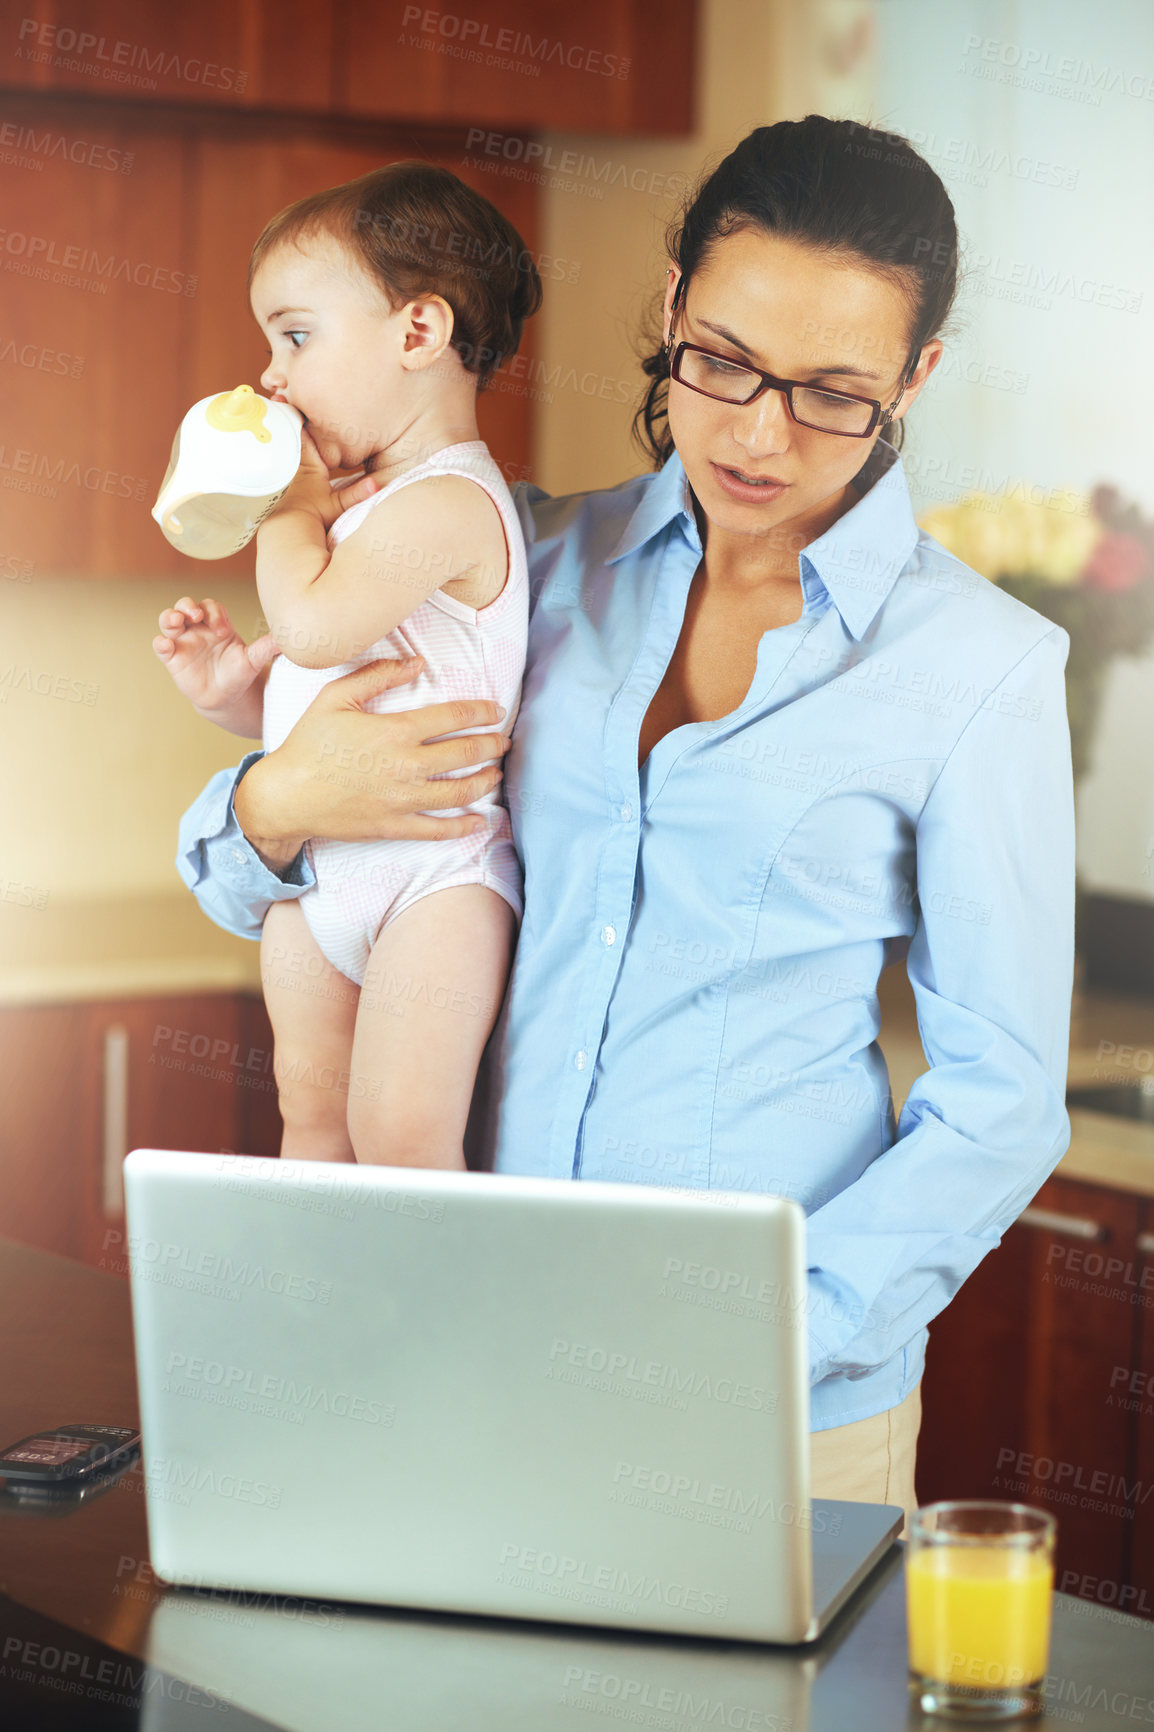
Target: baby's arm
<point x="221" y="676"/>
<point x="324" y="609"/>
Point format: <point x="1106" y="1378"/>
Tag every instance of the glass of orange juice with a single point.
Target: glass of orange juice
<point x="979" y="1587"/>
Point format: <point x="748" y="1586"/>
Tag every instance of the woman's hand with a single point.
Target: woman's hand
<point x="348" y="774"/>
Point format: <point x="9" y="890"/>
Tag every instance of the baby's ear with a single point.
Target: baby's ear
<point x="428" y="329"/>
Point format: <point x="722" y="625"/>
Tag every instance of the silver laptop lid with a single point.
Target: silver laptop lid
<point x="525" y="1397"/>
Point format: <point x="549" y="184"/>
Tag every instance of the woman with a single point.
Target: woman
<point x="770" y="735"/>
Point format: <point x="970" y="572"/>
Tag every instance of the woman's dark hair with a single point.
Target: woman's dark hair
<point x="858" y="194"/>
<point x="417" y="229"/>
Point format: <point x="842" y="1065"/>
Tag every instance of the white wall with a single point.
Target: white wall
<point x="1039" y="116"/>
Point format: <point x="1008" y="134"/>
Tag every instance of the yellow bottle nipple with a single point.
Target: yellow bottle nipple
<point x="239" y="411"/>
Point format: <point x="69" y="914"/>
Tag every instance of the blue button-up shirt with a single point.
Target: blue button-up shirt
<point x="694" y="995"/>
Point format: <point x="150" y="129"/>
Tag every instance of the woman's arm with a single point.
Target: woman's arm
<point x="342" y="772"/>
<point x="991" y="964"/>
<point x="234" y="884"/>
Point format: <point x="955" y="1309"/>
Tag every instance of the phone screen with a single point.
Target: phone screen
<point x="48" y="1450"/>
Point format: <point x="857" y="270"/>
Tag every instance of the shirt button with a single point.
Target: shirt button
<point x="608" y="935"/>
<point x="581" y="1059"/>
<point x="239" y="859"/>
<point x="626" y="812"/>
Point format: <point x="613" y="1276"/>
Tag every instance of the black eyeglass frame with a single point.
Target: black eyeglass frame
<point x="787" y="386"/>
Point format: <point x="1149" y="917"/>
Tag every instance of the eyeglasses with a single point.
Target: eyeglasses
<point x="727" y="381"/>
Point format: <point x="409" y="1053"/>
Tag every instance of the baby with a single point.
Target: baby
<point x="388" y="303"/>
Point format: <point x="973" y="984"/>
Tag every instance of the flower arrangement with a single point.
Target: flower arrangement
<point x="1086" y="561"/>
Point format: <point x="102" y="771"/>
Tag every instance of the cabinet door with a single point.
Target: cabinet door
<point x="99" y="279"/>
<point x="1020" y="1388"/>
<point x="275" y="53"/>
<point x="1138" y="1397"/>
<point x="46" y="1137"/>
<point x="189" y="1072"/>
<point x="610" y="66"/>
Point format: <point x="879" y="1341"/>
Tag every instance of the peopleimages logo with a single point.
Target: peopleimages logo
<point x="235" y="1381"/>
<point x="646" y="1702"/>
<point x="116" y="59"/>
<point x="525" y="1566"/>
<point x="219" y="1266"/>
<point x="30" y="254"/>
<point x="712" y="1502"/>
<point x="506" y="49"/>
<point x="166" y="1474"/>
<point x="620" y="1373"/>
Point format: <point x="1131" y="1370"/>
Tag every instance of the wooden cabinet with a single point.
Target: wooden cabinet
<point x="1138" y="1399"/>
<point x="99" y="279"/>
<point x="44" y="1125"/>
<point x="1025" y="1393"/>
<point x="611" y="66"/>
<point x="266" y="53"/>
<point x="88" y="1082"/>
<point x="125" y="303"/>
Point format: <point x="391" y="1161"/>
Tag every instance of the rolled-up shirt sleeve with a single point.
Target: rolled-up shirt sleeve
<point x="220" y="866"/>
<point x="991" y="965"/>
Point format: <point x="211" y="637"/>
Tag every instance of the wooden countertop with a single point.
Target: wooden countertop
<point x="123" y="947"/>
<point x="79" y="1583"/>
<point x="1111" y="1041"/>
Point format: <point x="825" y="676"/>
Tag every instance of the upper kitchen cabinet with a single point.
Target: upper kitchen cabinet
<point x="1135" y="1394"/>
<point x="609" y="66"/>
<point x="251" y="55"/>
<point x="99" y="285"/>
<point x="524" y="64"/>
<point x="125" y="260"/>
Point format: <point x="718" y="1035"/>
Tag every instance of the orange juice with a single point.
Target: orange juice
<point x="979" y="1615"/>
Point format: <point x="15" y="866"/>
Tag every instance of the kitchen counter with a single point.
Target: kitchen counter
<point x="89" y="1636"/>
<point x="1111" y="1041"/>
<point x="122" y="947"/>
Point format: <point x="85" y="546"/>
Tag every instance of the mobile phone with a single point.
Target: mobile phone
<point x="67" y="1454"/>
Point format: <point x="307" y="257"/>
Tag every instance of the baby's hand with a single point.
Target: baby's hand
<point x="212" y="665"/>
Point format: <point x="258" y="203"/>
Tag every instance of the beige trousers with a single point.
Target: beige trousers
<point x="872" y="1460"/>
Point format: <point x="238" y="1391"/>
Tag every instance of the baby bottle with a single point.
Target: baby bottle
<point x="233" y="457"/>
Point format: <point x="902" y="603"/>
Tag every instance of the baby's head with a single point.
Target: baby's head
<point x="388" y="303"/>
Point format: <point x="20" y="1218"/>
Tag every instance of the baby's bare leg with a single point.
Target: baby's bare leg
<point x="313" y="1008"/>
<point x="431" y="995"/>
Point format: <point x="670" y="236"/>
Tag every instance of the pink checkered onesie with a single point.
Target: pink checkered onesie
<point x="469" y="653"/>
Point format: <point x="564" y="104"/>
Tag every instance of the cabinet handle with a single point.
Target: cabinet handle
<point x="1065" y="1226"/>
<point x="115" y="1117"/>
<point x="1146" y="1244"/>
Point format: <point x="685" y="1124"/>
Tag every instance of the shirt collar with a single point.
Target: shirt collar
<point x="856" y="562"/>
<point x="665" y="498"/>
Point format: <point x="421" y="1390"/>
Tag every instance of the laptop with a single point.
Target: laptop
<point x="468" y="1392"/>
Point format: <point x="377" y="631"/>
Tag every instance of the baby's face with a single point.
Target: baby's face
<point x="334" y="347"/>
